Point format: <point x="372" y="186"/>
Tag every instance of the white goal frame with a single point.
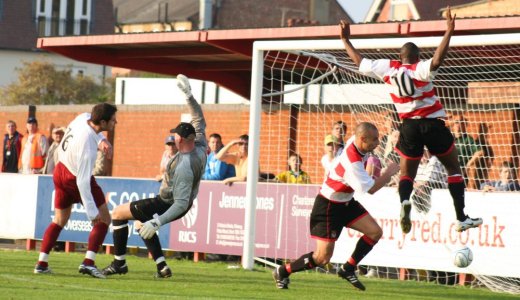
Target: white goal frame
<point x="260" y="47"/>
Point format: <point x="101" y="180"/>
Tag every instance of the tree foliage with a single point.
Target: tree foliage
<point x="40" y="83"/>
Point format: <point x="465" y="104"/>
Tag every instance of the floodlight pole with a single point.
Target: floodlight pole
<point x="255" y="108"/>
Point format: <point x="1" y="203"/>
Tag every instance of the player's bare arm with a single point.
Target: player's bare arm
<point x="442" y="50"/>
<point x="345" y="37"/>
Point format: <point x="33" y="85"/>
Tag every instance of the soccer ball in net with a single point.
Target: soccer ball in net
<point x="463" y="257"/>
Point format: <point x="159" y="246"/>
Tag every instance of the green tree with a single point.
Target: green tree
<point x="40" y="83"/>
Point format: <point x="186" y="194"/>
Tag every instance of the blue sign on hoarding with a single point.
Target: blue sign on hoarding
<point x="117" y="191"/>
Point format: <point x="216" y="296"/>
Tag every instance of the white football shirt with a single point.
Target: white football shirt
<point x="413" y="93"/>
<point x="347" y="174"/>
<point x="78" y="151"/>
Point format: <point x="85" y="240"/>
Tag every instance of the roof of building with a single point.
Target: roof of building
<point x="225" y="56"/>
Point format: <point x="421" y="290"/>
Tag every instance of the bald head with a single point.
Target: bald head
<point x="367" y="137"/>
<point x="409" y="53"/>
<point x="364" y="128"/>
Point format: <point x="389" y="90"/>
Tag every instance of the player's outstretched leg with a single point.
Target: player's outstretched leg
<point x="468" y="223"/>
<point x="349" y="274"/>
<point x="281" y="281"/>
<point x="406" y="223"/>
<point x="120" y="236"/>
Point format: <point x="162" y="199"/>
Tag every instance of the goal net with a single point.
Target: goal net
<point x="301" y="89"/>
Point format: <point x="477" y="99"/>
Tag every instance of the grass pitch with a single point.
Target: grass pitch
<point x="198" y="281"/>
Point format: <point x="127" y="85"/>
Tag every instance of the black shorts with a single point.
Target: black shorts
<point x="144" y="209"/>
<point x="414" y="134"/>
<point x="328" y="218"/>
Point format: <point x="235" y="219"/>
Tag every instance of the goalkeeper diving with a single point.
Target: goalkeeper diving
<point x="180" y="186"/>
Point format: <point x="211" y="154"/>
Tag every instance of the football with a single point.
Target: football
<point x="463" y="257"/>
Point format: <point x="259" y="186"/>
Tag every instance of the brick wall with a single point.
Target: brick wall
<point x="141" y="130"/>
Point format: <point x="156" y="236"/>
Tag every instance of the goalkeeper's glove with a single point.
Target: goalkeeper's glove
<point x="150" y="227"/>
<point x="184" y="85"/>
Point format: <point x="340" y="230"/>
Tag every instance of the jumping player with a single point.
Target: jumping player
<point x="423" y="118"/>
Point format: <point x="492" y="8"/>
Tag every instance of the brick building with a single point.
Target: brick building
<point x="23" y="21"/>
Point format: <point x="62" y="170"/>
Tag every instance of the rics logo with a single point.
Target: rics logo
<point x="190" y="217"/>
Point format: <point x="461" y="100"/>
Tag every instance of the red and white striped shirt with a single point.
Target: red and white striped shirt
<point x="347" y="174"/>
<point x="413" y="93"/>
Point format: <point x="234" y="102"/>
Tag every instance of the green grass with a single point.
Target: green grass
<point x="198" y="281"/>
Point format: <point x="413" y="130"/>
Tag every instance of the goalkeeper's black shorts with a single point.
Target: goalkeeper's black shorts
<point x="414" y="134"/>
<point x="328" y="218"/>
<point x="144" y="209"/>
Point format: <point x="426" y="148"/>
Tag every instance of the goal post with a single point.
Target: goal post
<point x="300" y="88"/>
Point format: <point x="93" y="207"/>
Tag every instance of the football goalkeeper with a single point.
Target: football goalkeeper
<point x="423" y="118"/>
<point x="179" y="188"/>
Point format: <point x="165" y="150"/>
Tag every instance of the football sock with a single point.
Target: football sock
<point x="405" y="188"/>
<point x="49" y="237"/>
<point x="95" y="239"/>
<point x="97" y="236"/>
<point x="363" y="247"/>
<point x="90" y="258"/>
<point x="120" y="236"/>
<point x="456" y="187"/>
<point x="161" y="263"/>
<point x="154" y="246"/>
<point x="305" y="262"/>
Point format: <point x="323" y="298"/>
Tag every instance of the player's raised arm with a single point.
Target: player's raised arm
<point x="345" y="37"/>
<point x="197" y="117"/>
<point x="442" y="50"/>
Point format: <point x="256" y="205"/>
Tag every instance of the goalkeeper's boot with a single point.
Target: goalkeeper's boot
<point x="406" y="224"/>
<point x="39" y="269"/>
<point x="91" y="270"/>
<point x="468" y="223"/>
<point x="351" y="277"/>
<point x="115" y="268"/>
<point x="165" y="272"/>
<point x="281" y="282"/>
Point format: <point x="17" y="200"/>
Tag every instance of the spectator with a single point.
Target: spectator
<point x="238" y="158"/>
<point x="331" y="150"/>
<point x="12" y="148"/>
<point x="34" y="149"/>
<point x="388" y="142"/>
<point x="295" y="174"/>
<point x="507" y="180"/>
<point x="464" y="143"/>
<point x="170" y="149"/>
<point x="373" y="165"/>
<point x="100" y="168"/>
<point x="482" y="160"/>
<point x="216" y="169"/>
<point x="431" y="174"/>
<point x="339" y="130"/>
<point x="52" y="155"/>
